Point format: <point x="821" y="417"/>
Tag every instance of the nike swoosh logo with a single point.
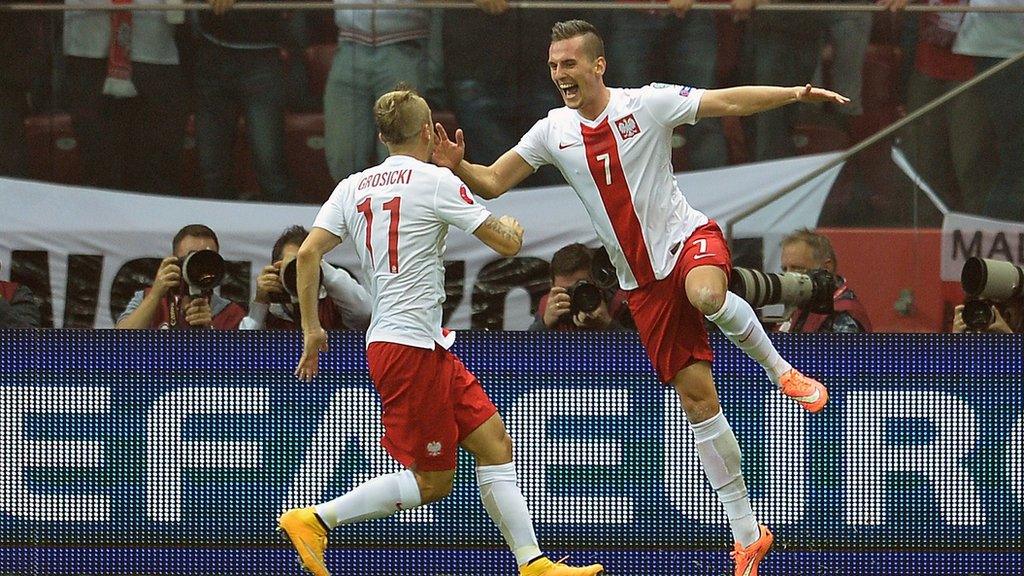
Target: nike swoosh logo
<point x="699" y="256"/>
<point x="809" y="399"/>
<point x="563" y="145"/>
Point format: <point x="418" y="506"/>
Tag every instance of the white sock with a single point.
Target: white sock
<point x="739" y="323"/>
<point x="377" y="498"/>
<point x="506" y="506"/>
<point x="719" y="455"/>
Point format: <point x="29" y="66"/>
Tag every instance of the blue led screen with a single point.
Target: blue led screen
<point x="173" y="453"/>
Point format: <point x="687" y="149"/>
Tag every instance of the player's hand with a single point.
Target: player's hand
<point x="558" y="306"/>
<point x="313" y="343"/>
<point x="492" y="6"/>
<point x="599" y="319"/>
<point x="998" y="325"/>
<point x="741" y="8"/>
<point x="448" y="154"/>
<point x="269" y="283"/>
<point x="199" y="313"/>
<point x="893" y="5"/>
<point x="809" y="93"/>
<point x="958" y="319"/>
<point x="220" y="6"/>
<point x="168" y="276"/>
<point x="680" y="7"/>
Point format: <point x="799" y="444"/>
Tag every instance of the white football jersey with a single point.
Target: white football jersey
<point x="620" y="165"/>
<point x="397" y="214"/>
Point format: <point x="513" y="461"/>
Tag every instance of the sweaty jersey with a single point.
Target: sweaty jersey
<point x="397" y="214"/>
<point x="620" y="165"/>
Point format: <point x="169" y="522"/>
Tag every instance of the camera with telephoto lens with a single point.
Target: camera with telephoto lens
<point x="289" y="279"/>
<point x="987" y="282"/>
<point x="201" y="272"/>
<point x="584" y="297"/>
<point x="811" y="291"/>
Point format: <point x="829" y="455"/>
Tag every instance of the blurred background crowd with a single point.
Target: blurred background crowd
<point x="274" y="106"/>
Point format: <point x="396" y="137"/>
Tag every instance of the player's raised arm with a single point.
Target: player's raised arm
<point x="485" y="181"/>
<point x="307" y="281"/>
<point x="504" y="235"/>
<point x="747" y="100"/>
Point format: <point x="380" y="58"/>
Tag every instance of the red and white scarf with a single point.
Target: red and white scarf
<point x="119" y="63"/>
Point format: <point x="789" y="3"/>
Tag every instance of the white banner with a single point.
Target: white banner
<point x="85" y="239"/>
<point x="964" y="236"/>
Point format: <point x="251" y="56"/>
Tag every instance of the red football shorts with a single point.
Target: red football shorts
<point x="671" y="329"/>
<point x="431" y="403"/>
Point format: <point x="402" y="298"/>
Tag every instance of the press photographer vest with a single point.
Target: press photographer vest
<point x="227" y="319"/>
<point x="844" y="300"/>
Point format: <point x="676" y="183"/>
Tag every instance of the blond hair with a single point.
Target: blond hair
<point x="821" y="248"/>
<point x="399" y="115"/>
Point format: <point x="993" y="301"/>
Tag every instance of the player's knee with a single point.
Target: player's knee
<point x="708" y="300"/>
<point x="505" y="447"/>
<point x="434" y="487"/>
<point x="700" y="409"/>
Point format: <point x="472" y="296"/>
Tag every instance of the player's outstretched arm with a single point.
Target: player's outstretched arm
<point x="307" y="281"/>
<point x="485" y="181"/>
<point x="747" y="100"/>
<point x="503" y="235"/>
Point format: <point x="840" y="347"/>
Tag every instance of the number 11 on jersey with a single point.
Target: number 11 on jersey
<point x="391" y="206"/>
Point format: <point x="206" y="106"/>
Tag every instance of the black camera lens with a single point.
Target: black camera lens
<point x="202" y="271"/>
<point x="584" y="297"/>
<point x="290" y="280"/>
<point x="977" y="315"/>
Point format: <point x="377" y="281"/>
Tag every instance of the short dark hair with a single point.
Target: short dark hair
<point x="592" y="42"/>
<point x="196" y="230"/>
<point x="570" y="259"/>
<point x="820" y="245"/>
<point x="291" y="235"/>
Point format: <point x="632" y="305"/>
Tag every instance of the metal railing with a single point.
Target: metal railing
<point x="521" y="5"/>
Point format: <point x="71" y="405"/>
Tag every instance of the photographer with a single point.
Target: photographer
<point x="18" y="308"/>
<point x="167" y="304"/>
<point x="803" y="251"/>
<point x="571" y="270"/>
<point x="994" y="291"/>
<point x="343" y="304"/>
<point x="1007" y="318"/>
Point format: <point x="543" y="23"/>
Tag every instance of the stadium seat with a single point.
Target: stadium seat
<point x="816" y="139"/>
<point x="52" y="149"/>
<point x="881" y="76"/>
<point x="307" y="165"/>
<point x="448" y="120"/>
<point x="318" y="64"/>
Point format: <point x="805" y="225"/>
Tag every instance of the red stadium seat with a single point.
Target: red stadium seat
<point x="815" y="139"/>
<point x="881" y="76"/>
<point x="318" y="64"/>
<point x="52" y="149"/>
<point x="307" y="164"/>
<point x="447" y="119"/>
<point x="37" y="141"/>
